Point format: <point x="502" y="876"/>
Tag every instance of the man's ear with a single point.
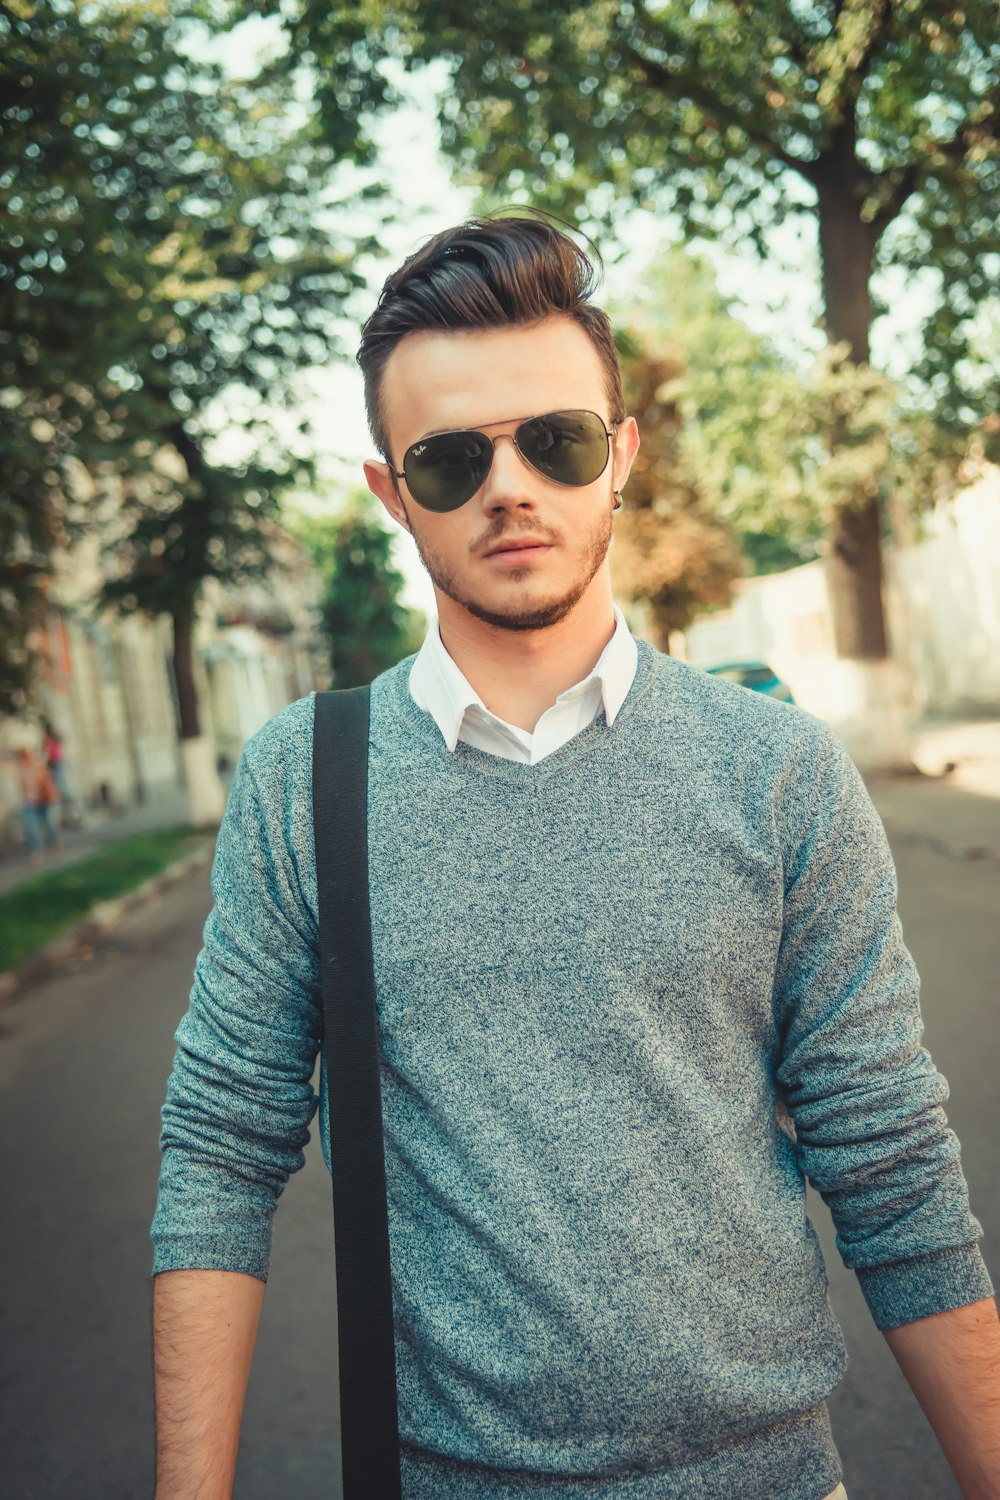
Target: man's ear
<point x="626" y="448"/>
<point x="383" y="487"/>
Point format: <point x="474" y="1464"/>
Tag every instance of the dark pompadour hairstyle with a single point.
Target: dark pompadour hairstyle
<point x="486" y="273"/>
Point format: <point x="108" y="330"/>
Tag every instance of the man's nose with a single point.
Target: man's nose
<point x="508" y="484"/>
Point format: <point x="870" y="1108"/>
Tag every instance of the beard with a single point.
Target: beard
<point x="534" y="616"/>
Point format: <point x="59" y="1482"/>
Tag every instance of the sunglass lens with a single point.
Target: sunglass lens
<point x="570" y="447"/>
<point x="445" y="471"/>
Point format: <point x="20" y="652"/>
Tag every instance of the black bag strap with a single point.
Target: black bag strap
<point x="368" y="1411"/>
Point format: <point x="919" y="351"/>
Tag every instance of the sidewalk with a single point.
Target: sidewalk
<point x="957" y="810"/>
<point x="166" y="810"/>
<point x="972" y="746"/>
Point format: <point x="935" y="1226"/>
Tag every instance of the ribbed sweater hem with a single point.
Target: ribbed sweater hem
<point x="795" y="1460"/>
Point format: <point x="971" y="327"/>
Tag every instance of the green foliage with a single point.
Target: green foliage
<point x="736" y="114"/>
<point x="207" y="526"/>
<point x="772" y="452"/>
<point x="57" y="90"/>
<point x="174" y="247"/>
<point x="33" y="914"/>
<point x="367" y="628"/>
<point x="771" y="552"/>
<point x="878" y="119"/>
<point x="748" y="438"/>
<point x="669" y="551"/>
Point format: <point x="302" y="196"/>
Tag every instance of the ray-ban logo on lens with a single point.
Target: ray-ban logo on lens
<point x="417" y="451"/>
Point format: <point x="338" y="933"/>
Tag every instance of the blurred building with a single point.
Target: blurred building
<point x="262" y="648"/>
<point x="108" y="685"/>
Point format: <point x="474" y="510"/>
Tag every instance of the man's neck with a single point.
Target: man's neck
<point x="520" y="673"/>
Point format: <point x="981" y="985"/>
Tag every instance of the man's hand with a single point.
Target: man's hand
<point x="204" y="1328"/>
<point x="952" y="1364"/>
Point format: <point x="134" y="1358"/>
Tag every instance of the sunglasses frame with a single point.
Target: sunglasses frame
<point x="609" y="432"/>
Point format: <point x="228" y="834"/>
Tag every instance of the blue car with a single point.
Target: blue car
<point x="756" y="676"/>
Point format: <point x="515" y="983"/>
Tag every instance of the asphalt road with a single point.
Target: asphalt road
<point x="83" y="1061"/>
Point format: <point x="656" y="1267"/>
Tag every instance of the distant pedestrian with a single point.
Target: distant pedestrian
<point x="55" y="758"/>
<point x="39" y="794"/>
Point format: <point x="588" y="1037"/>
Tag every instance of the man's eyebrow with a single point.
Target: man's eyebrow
<point x="482" y="426"/>
<point x="440" y="432"/>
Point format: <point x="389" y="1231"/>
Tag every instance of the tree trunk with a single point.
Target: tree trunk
<point x="854" y="584"/>
<point x="866" y="689"/>
<point x="847" y="251"/>
<point x="187" y="692"/>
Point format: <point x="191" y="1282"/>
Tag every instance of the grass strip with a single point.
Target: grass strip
<point x="33" y="914"/>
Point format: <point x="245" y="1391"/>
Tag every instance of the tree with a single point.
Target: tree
<point x="747" y="425"/>
<point x="878" y="119"/>
<point x="200" y="238"/>
<point x="61" y="79"/>
<point x="774" y="452"/>
<point x="668" y="552"/>
<point x="367" y="627"/>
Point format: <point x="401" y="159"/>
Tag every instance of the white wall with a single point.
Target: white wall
<point x="944" y="603"/>
<point x="942" y="597"/>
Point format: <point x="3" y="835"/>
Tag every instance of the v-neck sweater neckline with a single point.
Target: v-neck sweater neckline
<point x="598" y="733"/>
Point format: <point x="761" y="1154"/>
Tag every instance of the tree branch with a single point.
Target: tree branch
<point x="677" y="84"/>
<point x="880" y="25"/>
<point x="906" y="181"/>
<point x="797" y="44"/>
<point x="186" y="446"/>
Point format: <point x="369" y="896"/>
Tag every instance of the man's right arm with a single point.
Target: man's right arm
<point x="204" y="1327"/>
<point x="239" y="1104"/>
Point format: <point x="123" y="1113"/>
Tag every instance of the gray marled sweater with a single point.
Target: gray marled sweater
<point x="630" y="998"/>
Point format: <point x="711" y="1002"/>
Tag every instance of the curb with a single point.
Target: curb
<point x="102" y="918"/>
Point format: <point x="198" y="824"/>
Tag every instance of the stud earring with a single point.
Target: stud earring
<point x="619" y="502"/>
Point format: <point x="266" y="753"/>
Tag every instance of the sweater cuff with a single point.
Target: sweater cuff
<point x="907" y="1290"/>
<point x="213" y="1252"/>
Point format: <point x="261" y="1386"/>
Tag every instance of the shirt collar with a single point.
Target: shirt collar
<point x="439" y="687"/>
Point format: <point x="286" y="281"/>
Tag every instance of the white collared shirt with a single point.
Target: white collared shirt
<point x="438" y="687"/>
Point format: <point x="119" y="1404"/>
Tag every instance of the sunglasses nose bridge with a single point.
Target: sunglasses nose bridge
<point x="510" y="436"/>
<point x="500" y="473"/>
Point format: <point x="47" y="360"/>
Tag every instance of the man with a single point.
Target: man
<point x="639" y="973"/>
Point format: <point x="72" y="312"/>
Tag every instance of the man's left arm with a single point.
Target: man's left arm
<point x="871" y="1134"/>
<point x="952" y="1364"/>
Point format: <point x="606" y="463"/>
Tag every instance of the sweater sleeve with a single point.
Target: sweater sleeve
<point x="864" y="1095"/>
<point x="240" y="1098"/>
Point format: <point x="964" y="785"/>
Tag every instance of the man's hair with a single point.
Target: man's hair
<point x="485" y="273"/>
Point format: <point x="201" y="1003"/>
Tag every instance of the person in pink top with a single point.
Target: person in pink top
<point x="55" y="758"/>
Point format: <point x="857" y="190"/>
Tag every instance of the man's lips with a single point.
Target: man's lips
<point x="525" y="544"/>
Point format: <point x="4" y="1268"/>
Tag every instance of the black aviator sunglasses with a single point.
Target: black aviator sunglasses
<point x="444" y="471"/>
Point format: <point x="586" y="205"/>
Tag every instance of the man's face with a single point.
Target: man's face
<point x="493" y="380"/>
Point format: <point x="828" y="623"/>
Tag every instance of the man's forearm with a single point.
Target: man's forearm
<point x="204" y="1328"/>
<point x="952" y="1364"/>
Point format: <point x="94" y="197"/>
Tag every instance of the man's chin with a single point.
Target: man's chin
<point x="539" y="617"/>
<point x="521" y="615"/>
